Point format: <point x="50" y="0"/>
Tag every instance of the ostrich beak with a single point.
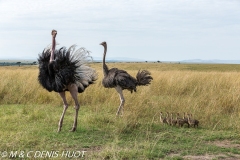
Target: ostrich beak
<point x="102" y="43"/>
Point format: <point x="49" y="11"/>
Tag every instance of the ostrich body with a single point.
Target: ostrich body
<point x="192" y="121"/>
<point x="120" y="79"/>
<point x="64" y="70"/>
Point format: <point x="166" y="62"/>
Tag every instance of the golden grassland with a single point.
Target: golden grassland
<point x="210" y="92"/>
<point x="29" y="114"/>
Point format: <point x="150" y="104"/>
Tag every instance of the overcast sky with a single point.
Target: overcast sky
<point x="165" y="30"/>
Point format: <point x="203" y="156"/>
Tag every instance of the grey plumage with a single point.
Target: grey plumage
<point x="120" y="79"/>
<point x="143" y="78"/>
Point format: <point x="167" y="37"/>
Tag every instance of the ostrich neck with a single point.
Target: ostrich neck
<point x="105" y="67"/>
<point x="53" y="49"/>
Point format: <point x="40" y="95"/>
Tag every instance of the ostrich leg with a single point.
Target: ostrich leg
<point x="122" y="100"/>
<point x="74" y="92"/>
<point x="62" y="94"/>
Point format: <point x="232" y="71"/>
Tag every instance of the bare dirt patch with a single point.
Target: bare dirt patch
<point x="226" y="144"/>
<point x="207" y="157"/>
<point x="210" y="157"/>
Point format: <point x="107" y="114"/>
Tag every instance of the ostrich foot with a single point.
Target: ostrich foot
<point x="119" y="115"/>
<point x="59" y="129"/>
<point x="73" y="129"/>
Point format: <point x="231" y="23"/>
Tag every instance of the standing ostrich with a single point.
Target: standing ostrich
<point x="120" y="79"/>
<point x="63" y="70"/>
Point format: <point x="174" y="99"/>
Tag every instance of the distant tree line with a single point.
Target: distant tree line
<point x="17" y="63"/>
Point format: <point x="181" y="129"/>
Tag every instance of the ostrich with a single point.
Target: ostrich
<point x="64" y="70"/>
<point x="120" y="79"/>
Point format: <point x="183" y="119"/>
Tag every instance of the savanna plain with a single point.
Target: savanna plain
<point x="29" y="114"/>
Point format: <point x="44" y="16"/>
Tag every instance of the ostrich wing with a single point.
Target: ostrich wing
<point x="116" y="77"/>
<point x="125" y="80"/>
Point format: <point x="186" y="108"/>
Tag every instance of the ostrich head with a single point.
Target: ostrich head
<point x="54" y="33"/>
<point x="103" y="43"/>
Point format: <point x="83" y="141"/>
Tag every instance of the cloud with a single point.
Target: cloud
<point x="170" y="30"/>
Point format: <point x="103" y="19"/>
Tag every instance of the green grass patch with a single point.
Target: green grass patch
<point x="103" y="135"/>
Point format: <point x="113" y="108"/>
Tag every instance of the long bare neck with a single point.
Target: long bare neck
<point x="105" y="67"/>
<point x="53" y="48"/>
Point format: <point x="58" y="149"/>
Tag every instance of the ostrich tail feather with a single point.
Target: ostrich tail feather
<point x="144" y="77"/>
<point x="84" y="74"/>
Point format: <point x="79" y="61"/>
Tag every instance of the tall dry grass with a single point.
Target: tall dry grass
<point x="211" y="96"/>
